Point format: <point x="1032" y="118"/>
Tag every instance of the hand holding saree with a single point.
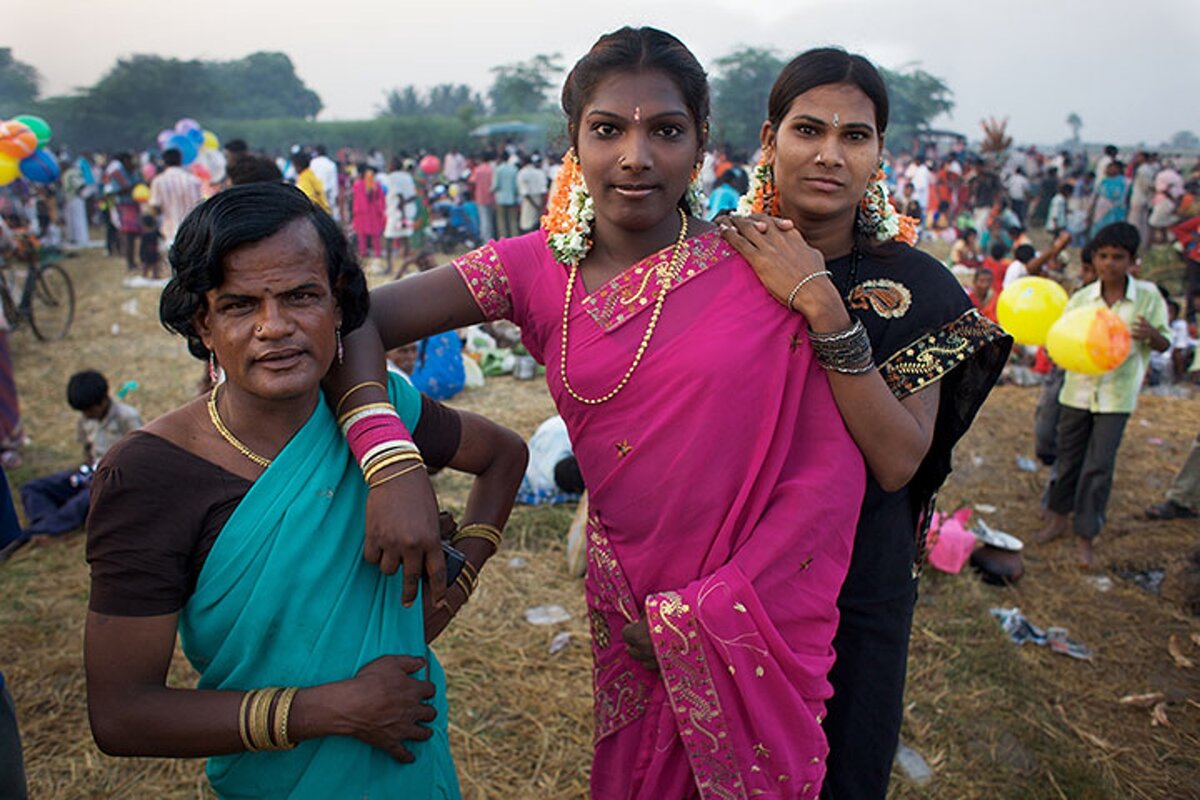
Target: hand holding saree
<point x="285" y="598"/>
<point x="724" y="492"/>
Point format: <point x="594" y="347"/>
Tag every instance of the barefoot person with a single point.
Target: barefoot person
<point x="925" y="361"/>
<point x="1095" y="408"/>
<point x="237" y="519"/>
<point x="722" y="508"/>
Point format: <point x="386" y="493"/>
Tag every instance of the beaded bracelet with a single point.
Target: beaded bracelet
<point x="800" y="285"/>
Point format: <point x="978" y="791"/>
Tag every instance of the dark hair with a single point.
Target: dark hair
<point x="1025" y="253"/>
<point x="239" y="216"/>
<point x="86" y="389"/>
<point x="1110" y="150"/>
<point x="979" y="271"/>
<point x="969" y="232"/>
<point x="237" y="146"/>
<point x="567" y="476"/>
<point x="172" y="157"/>
<point x="301" y="161"/>
<point x="636" y="50"/>
<point x="252" y="169"/>
<point x="1087" y="253"/>
<point x="1117" y="234"/>
<point x="823" y="66"/>
<point x="997" y="250"/>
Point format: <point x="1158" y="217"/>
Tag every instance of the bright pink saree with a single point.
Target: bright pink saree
<point x="724" y="491"/>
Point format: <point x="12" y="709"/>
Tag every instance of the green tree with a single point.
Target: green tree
<point x="916" y="98"/>
<point x="261" y="85"/>
<point x="740" y="89"/>
<point x="19" y="84"/>
<point x="1075" y="123"/>
<point x="520" y="88"/>
<point x="1185" y="140"/>
<point x="402" y="102"/>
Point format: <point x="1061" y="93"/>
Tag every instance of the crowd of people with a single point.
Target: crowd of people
<point x="606" y="257"/>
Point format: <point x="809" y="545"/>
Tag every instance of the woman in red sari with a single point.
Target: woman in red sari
<point x="724" y="487"/>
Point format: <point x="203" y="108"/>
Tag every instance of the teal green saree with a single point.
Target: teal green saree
<point x="286" y="599"/>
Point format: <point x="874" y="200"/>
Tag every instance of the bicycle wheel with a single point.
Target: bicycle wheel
<point x="51" y="303"/>
<point x="11" y="314"/>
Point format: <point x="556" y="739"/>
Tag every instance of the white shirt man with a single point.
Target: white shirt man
<point x="325" y="168"/>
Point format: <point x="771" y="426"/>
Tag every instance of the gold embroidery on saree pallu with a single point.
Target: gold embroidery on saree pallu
<point x="621" y="698"/>
<point x="930" y="357"/>
<point x="694" y="699"/>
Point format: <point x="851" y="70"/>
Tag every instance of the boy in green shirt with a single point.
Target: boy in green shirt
<point x="1095" y="408"/>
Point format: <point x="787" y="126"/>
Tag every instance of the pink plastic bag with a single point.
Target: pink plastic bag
<point x="950" y="543"/>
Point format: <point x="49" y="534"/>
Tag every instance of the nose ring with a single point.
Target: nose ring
<point x="820" y="159"/>
<point x="258" y="328"/>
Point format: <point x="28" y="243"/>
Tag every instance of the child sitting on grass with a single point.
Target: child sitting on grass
<point x="1095" y="408"/>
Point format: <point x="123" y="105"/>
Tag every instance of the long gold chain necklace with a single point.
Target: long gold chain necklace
<point x="215" y="416"/>
<point x="667" y="276"/>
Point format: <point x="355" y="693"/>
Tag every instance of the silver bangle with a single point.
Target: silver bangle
<point x="795" y="289"/>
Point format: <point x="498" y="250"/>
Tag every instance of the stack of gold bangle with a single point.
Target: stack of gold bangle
<point x="468" y="579"/>
<point x="478" y="530"/>
<point x="263" y="719"/>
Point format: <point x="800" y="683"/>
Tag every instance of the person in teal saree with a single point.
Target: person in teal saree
<point x="238" y="518"/>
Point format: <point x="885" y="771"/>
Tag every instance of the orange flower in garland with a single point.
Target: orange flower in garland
<point x="878" y="217"/>
<point x="569" y="214"/>
<point x="761" y="196"/>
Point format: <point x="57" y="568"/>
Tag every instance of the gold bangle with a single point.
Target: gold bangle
<point x="369" y="474"/>
<point x="365" y="407"/>
<point x="387" y="459"/>
<point x="354" y="389"/>
<point x="260" y="712"/>
<point x="478" y="530"/>
<point x="395" y="475"/>
<point x="243" y="726"/>
<point x="282" y="709"/>
<point x="464" y="583"/>
<point x="472" y="576"/>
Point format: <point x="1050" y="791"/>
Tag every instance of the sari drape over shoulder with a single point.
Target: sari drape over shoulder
<point x="724" y="490"/>
<point x="285" y="598"/>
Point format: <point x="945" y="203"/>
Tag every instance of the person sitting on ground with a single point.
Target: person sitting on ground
<point x="982" y="293"/>
<point x="1029" y="262"/>
<point x="552" y="475"/>
<point x="58" y="503"/>
<point x="966" y="250"/>
<point x="1095" y="408"/>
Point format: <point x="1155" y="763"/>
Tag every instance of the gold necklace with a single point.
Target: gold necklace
<point x="667" y="276"/>
<point x="215" y="416"/>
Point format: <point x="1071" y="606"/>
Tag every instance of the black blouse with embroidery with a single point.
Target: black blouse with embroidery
<point x="923" y="330"/>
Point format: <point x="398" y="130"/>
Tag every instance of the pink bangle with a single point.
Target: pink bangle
<point x="363" y="440"/>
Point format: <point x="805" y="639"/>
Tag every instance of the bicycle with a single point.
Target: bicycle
<point x="46" y="298"/>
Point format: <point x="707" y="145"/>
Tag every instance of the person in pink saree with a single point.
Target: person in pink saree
<point x="724" y="488"/>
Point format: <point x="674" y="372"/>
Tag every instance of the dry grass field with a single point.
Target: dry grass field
<point x="992" y="719"/>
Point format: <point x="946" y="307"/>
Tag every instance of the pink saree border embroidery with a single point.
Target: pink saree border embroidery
<point x="635" y="289"/>
<point x="620" y="699"/>
<point x="483" y="273"/>
<point x="692" y="691"/>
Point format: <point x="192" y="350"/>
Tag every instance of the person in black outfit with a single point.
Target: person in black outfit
<point x="909" y="359"/>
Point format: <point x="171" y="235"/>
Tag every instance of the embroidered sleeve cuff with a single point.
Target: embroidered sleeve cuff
<point x="929" y="358"/>
<point x="483" y="273"/>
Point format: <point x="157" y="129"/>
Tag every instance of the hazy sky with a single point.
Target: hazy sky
<point x="1127" y="68"/>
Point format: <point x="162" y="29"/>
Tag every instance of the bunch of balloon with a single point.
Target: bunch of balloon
<point x="1029" y="307"/>
<point x="23" y="152"/>
<point x="199" y="150"/>
<point x="1090" y="340"/>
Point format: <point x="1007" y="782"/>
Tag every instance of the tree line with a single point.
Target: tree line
<point x="261" y="98"/>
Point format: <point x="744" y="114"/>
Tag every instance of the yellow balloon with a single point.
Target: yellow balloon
<point x="1028" y="308"/>
<point x="9" y="170"/>
<point x="141" y="193"/>
<point x="211" y="142"/>
<point x="1089" y="340"/>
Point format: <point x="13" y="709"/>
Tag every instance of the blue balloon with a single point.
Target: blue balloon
<point x="41" y="167"/>
<point x="187" y="149"/>
<point x="197" y="137"/>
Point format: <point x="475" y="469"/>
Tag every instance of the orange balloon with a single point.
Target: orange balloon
<point x="17" y="140"/>
<point x="1089" y="340"/>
